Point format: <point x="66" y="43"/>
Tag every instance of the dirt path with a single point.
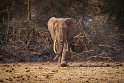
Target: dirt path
<point x="50" y="73"/>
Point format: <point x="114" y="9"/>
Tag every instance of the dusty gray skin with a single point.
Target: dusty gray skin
<point x="62" y="31"/>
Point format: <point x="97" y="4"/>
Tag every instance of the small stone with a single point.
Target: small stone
<point x="28" y="71"/>
<point x="40" y="68"/>
<point x="119" y="64"/>
<point x="26" y="68"/>
<point x="1" y="80"/>
<point x="47" y="76"/>
<point x="80" y="65"/>
<point x="108" y="65"/>
<point x="55" y="71"/>
<point x="12" y="69"/>
<point x="7" y="71"/>
<point x="23" y="78"/>
<point x="64" y="65"/>
<point x="10" y="79"/>
<point x="27" y="76"/>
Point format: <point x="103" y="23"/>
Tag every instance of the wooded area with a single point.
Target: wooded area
<point x="24" y="35"/>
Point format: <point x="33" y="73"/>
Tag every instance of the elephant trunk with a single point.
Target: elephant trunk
<point x="59" y="42"/>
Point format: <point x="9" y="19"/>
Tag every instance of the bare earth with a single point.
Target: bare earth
<point x="84" y="72"/>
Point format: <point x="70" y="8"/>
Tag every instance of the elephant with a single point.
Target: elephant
<point x="62" y="31"/>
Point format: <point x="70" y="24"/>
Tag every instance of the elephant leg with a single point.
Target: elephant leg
<point x="59" y="60"/>
<point x="63" y="59"/>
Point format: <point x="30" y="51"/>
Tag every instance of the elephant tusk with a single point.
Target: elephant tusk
<point x="54" y="47"/>
<point x="56" y="57"/>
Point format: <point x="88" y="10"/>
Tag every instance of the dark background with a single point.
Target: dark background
<point x="24" y="35"/>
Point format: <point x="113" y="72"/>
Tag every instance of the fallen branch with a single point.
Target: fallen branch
<point x="108" y="46"/>
<point x="97" y="56"/>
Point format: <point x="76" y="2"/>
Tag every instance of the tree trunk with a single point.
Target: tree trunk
<point x="29" y="10"/>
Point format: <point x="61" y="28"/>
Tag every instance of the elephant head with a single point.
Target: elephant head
<point x="62" y="33"/>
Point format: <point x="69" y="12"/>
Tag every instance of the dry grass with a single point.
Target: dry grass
<point x="25" y="39"/>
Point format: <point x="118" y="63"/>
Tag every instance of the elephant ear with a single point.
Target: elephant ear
<point x="51" y="27"/>
<point x="71" y="28"/>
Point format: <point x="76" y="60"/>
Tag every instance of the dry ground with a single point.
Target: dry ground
<point x="84" y="72"/>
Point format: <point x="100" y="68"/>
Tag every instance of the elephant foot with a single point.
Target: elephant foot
<point x="64" y="64"/>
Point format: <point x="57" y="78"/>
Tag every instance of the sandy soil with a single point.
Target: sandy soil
<point x="50" y="73"/>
